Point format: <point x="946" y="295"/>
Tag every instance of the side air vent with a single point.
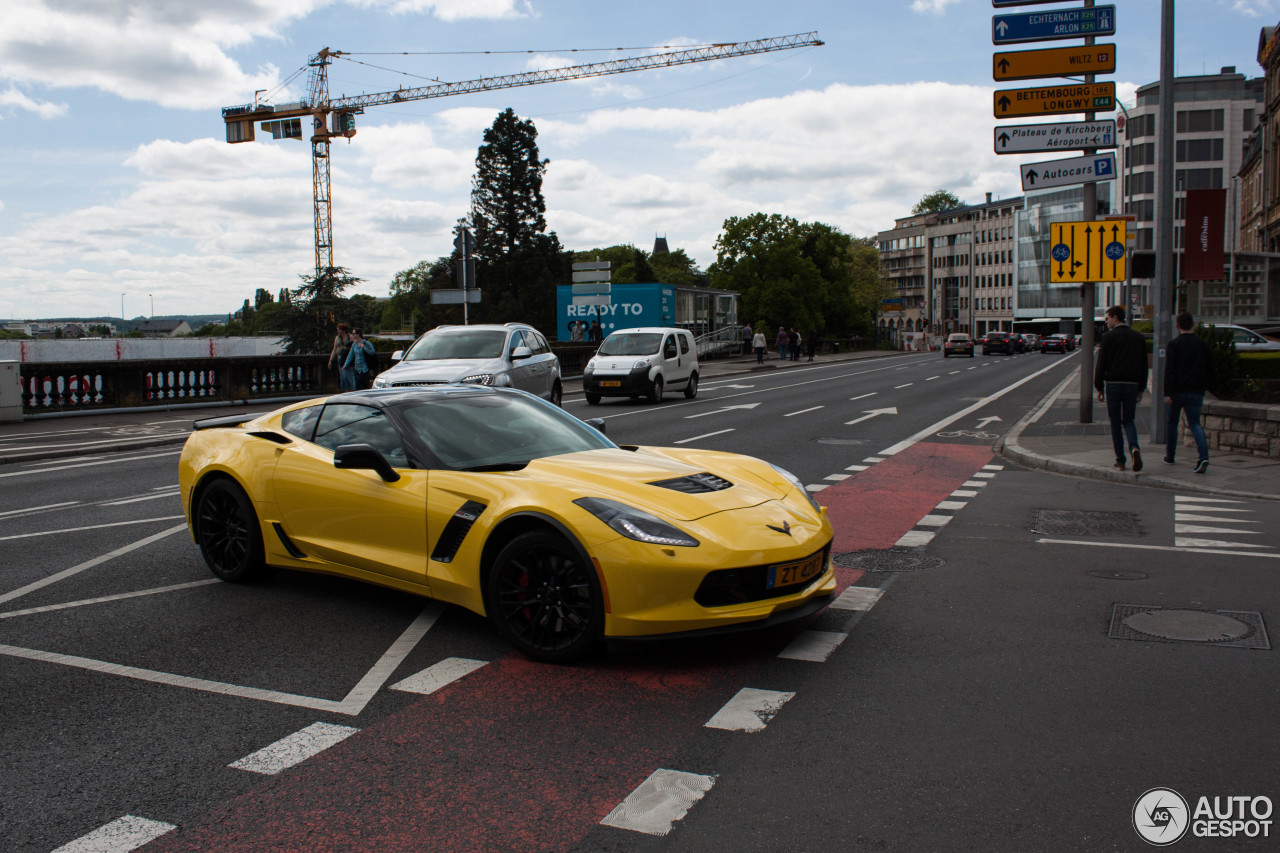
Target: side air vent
<point x="455" y="531"/>
<point x="695" y="484"/>
<point x="271" y="436"/>
<point x="287" y="542"/>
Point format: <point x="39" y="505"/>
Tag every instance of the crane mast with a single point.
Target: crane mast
<point x="335" y="117"/>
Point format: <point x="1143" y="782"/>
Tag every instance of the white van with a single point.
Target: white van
<point x="647" y="361"/>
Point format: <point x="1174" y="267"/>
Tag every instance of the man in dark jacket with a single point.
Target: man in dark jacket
<point x="1120" y="378"/>
<point x="1188" y="371"/>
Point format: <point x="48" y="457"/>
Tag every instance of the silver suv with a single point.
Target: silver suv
<point x="513" y="355"/>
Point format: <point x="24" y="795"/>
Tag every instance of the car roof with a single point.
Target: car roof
<point x="487" y="327"/>
<point x="650" y="329"/>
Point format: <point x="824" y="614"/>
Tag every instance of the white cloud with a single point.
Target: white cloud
<point x="454" y="10"/>
<point x="936" y="7"/>
<point x="45" y="109"/>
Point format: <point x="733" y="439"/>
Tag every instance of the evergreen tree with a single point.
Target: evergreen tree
<point x="316" y="304"/>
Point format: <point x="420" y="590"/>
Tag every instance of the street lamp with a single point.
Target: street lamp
<point x="122" y="307"/>
<point x="153" y="308"/>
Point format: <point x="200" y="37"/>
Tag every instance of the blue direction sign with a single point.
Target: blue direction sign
<point x="1084" y="22"/>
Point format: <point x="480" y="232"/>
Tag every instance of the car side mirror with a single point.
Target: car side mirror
<point x="597" y="423"/>
<point x="364" y="457"/>
<point x="520" y="352"/>
<point x="397" y="356"/>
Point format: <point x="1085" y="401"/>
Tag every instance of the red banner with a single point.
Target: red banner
<point x="1202" y="235"/>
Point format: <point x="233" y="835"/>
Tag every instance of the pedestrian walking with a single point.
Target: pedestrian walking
<point x="759" y="344"/>
<point x="793" y="343"/>
<point x="781" y="342"/>
<point x="1120" y="378"/>
<point x="360" y="359"/>
<point x="595" y="334"/>
<point x="1188" y="371"/>
<point x="811" y="344"/>
<point x="747" y="336"/>
<point x="575" y="331"/>
<point x="338" y="357"/>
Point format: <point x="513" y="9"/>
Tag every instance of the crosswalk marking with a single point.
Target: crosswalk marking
<point x="1195" y="517"/>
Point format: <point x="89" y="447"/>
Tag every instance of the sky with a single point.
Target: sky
<point x="119" y="195"/>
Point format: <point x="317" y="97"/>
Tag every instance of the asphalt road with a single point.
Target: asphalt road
<point x="969" y="698"/>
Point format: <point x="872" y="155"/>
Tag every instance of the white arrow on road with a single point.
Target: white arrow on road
<point x="871" y="413"/>
<point x="725" y="409"/>
<point x="986" y="421"/>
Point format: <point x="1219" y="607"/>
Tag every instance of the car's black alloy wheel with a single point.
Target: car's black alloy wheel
<point x="228" y="532"/>
<point x="544" y="599"/>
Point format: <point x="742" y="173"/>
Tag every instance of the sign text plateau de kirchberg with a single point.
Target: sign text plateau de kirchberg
<point x="1062" y="136"/>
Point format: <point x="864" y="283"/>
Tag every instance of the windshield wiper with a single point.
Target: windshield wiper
<point x="498" y="466"/>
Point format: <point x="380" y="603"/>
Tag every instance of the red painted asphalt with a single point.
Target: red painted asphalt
<point x="524" y="756"/>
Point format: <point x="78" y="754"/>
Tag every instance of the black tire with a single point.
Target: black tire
<point x="544" y="599"/>
<point x="228" y="532"/>
<point x="691" y="390"/>
<point x="592" y="399"/>
<point x="655" y="390"/>
<point x="557" y="394"/>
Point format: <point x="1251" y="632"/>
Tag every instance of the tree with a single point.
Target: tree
<point x="315" y="305"/>
<point x="518" y="264"/>
<point x="936" y="201"/>
<point x="808" y="275"/>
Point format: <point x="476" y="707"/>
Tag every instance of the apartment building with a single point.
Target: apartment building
<point x="953" y="270"/>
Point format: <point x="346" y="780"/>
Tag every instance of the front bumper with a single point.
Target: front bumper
<point x="635" y="381"/>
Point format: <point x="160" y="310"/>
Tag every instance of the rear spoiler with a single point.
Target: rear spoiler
<point x="224" y="421"/>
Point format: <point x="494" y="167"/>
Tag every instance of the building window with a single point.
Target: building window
<point x="1199" y="121"/>
<point x="1197" y="179"/>
<point x="1198" y="150"/>
<point x="1140" y="183"/>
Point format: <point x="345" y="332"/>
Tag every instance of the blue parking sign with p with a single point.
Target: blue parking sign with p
<point x="1102" y="167"/>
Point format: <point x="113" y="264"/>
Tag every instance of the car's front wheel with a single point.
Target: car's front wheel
<point x="557" y="394"/>
<point x="592" y="399"/>
<point x="655" y="390"/>
<point x="691" y="390"/>
<point x="228" y="533"/>
<point x="545" y="599"/>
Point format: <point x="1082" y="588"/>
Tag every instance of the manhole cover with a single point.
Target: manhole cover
<point x="888" y="560"/>
<point x="841" y="440"/>
<point x="1241" y="629"/>
<point x="1076" y="522"/>
<point x="1106" y="574"/>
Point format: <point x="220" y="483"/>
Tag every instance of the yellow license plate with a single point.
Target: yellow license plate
<point x="610" y="384"/>
<point x="794" y="573"/>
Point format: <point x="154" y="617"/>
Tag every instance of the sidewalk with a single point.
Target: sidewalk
<point x="1050" y="437"/>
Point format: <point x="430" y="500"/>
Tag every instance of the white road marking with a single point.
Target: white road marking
<point x="983" y="475"/>
<point x="952" y="505"/>
<point x="931" y="378"/>
<point x="964" y="493"/>
<point x="803" y="411"/>
<point x="908" y="385"/>
<point x="1210" y="512"/>
<point x="1197" y="508"/>
<point x="1200" y="528"/>
<point x="974" y="484"/>
<point x="915" y="539"/>
<point x="661" y="800"/>
<point x="857" y="467"/>
<point x="857" y="598"/>
<point x="837" y="477"/>
<point x="170" y="494"/>
<point x="89" y="564"/>
<point x="749" y="711"/>
<point x="353" y="704"/>
<point x="814" y="646"/>
<point x="1186" y="516"/>
<point x="932" y="520"/>
<point x="723" y="409"/>
<point x="91" y="527"/>
<point x="871" y="414"/>
<point x="863" y="396"/>
<point x="106" y="598"/>
<point x="816" y="487"/>
<point x="438" y="675"/>
<point x="1206" y="548"/>
<point x="992" y="467"/>
<point x="120" y="836"/>
<point x="108" y="461"/>
<point x="871" y="460"/>
<point x="294" y="749"/>
<point x="700" y="437"/>
<point x="1202" y="500"/>
<point x="38" y="508"/>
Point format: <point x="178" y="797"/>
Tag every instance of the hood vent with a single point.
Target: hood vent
<point x="695" y="484"/>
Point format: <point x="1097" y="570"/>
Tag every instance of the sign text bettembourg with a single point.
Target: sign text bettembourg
<point x="1051" y="100"/>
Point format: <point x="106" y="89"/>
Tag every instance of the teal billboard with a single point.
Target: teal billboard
<point x="630" y="305"/>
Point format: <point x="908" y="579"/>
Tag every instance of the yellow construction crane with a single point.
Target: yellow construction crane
<point x="335" y="117"/>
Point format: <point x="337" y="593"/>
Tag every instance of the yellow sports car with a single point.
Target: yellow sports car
<point x="500" y="502"/>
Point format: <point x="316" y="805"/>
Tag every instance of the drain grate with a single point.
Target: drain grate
<point x="887" y="560"/>
<point x="1240" y="629"/>
<point x="1076" y="522"/>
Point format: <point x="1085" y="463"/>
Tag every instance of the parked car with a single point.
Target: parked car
<point x="1247" y="340"/>
<point x="997" y="342"/>
<point x="644" y="361"/>
<point x="1053" y="343"/>
<point x="513" y="355"/>
<point x="957" y="343"/>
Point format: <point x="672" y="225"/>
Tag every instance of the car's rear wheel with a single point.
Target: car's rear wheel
<point x="655" y="390"/>
<point x="228" y="533"/>
<point x="545" y="599"/>
<point x="691" y="390"/>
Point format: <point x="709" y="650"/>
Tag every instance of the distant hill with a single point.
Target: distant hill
<point x="195" y="321"/>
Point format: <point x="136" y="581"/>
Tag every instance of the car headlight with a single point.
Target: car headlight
<point x="642" y="364"/>
<point x="380" y="382"/>
<point x="636" y="524"/>
<point x="795" y="481"/>
<point x="478" y="379"/>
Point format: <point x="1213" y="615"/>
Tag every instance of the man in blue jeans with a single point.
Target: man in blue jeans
<point x="1120" y="378"/>
<point x="1187" y="373"/>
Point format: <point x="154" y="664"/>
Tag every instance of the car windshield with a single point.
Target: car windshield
<point x="498" y="431"/>
<point x="459" y="343"/>
<point x="634" y="343"/>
